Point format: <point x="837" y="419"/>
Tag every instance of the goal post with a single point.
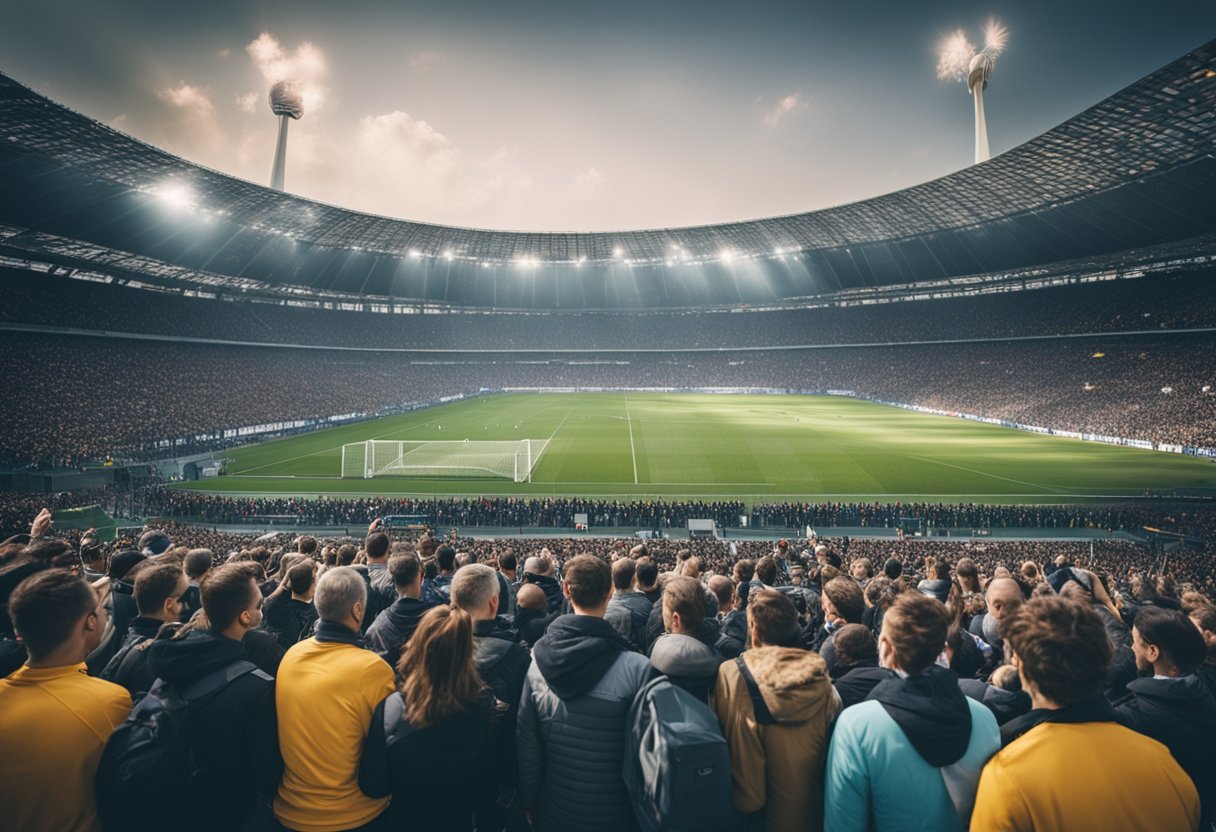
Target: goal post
<point x="512" y="460"/>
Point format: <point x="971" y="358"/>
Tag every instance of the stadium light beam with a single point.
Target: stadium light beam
<point x="286" y="103"/>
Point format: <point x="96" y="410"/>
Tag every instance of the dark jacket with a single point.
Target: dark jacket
<point x="629" y="613"/>
<point x="552" y="588"/>
<point x="688" y="662"/>
<point x="1004" y="704"/>
<point x="734" y="624"/>
<point x="392" y="628"/>
<point x="264" y="650"/>
<point x="571" y="734"/>
<point x="380" y="591"/>
<point x="437" y="775"/>
<point x="854" y="681"/>
<point x="235" y="739"/>
<point x="122" y="611"/>
<point x="530" y="625"/>
<point x="289" y="619"/>
<point x="502" y="665"/>
<point x="1207" y="673"/>
<point x="129" y="667"/>
<point x="1181" y="715"/>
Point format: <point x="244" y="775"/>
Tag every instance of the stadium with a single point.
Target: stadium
<point x="1012" y="365"/>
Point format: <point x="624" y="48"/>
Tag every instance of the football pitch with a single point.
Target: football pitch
<point x="749" y="447"/>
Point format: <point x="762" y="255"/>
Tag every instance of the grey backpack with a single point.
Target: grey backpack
<point x="677" y="763"/>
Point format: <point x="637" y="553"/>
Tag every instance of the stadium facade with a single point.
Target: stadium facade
<point x="1132" y="177"/>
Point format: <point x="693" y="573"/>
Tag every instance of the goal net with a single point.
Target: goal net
<point x="512" y="460"/>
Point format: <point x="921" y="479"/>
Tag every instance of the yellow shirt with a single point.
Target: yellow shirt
<point x="325" y="693"/>
<point x="1082" y="776"/>
<point x="54" y="723"/>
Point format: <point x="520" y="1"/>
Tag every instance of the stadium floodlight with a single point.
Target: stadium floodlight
<point x="176" y="195"/>
<point x="286" y="103"/>
<point x="511" y="459"/>
<point x="958" y="60"/>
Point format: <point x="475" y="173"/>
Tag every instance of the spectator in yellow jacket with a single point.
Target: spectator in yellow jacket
<point x="1070" y="765"/>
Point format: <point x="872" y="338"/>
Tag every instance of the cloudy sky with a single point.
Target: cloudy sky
<point x="573" y="115"/>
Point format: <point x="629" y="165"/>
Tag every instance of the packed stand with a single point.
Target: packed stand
<point x="440" y="683"/>
<point x="1151" y="388"/>
<point x="1156" y="302"/>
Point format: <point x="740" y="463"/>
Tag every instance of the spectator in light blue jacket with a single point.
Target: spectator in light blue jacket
<point x="910" y="756"/>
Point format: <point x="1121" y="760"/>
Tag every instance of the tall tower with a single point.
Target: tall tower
<point x="977" y="82"/>
<point x="285" y="102"/>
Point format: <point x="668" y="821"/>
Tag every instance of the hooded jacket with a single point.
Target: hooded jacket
<point x="234" y="735"/>
<point x="1181" y="714"/>
<point x="854" y="681"/>
<point x="909" y="739"/>
<point x="571" y="733"/>
<point x="688" y="662"/>
<point x="777" y="768"/>
<point x="393" y="627"/>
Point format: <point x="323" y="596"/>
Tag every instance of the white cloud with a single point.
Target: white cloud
<point x="588" y="184"/>
<point x="792" y="103"/>
<point x="425" y="60"/>
<point x="223" y="54"/>
<point x="248" y="103"/>
<point x="306" y="66"/>
<point x="187" y="124"/>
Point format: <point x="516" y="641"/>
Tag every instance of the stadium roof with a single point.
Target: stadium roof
<point x="1137" y="169"/>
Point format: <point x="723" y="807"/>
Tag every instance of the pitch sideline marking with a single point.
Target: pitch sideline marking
<point x="1047" y="488"/>
<point x="632" y="452"/>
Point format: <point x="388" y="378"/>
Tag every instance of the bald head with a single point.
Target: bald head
<point x="530" y="597"/>
<point x="1004" y="597"/>
<point x="535" y="565"/>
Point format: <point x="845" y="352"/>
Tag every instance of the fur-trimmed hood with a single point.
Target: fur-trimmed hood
<point x="794" y="683"/>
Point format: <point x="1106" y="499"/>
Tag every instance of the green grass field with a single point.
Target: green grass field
<point x="749" y="447"/>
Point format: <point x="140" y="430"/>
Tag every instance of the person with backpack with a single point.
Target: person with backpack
<point x="54" y="718"/>
<point x="776" y="704"/>
<point x="916" y="739"/>
<point x="680" y="653"/>
<point x="428" y="747"/>
<point x="576" y="698"/>
<point x="158" y="593"/>
<point x="327" y="688"/>
<point x="502" y="665"/>
<point x="233" y="742"/>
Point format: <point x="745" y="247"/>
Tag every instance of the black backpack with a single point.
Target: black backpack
<point x="677" y="763"/>
<point x="148" y="768"/>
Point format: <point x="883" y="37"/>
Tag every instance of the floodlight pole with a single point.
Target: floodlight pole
<point x="280" y="155"/>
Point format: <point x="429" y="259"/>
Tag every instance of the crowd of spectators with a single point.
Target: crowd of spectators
<point x="125" y="398"/>
<point x="560" y="512"/>
<point x="1155" y="302"/>
<point x="393" y="681"/>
